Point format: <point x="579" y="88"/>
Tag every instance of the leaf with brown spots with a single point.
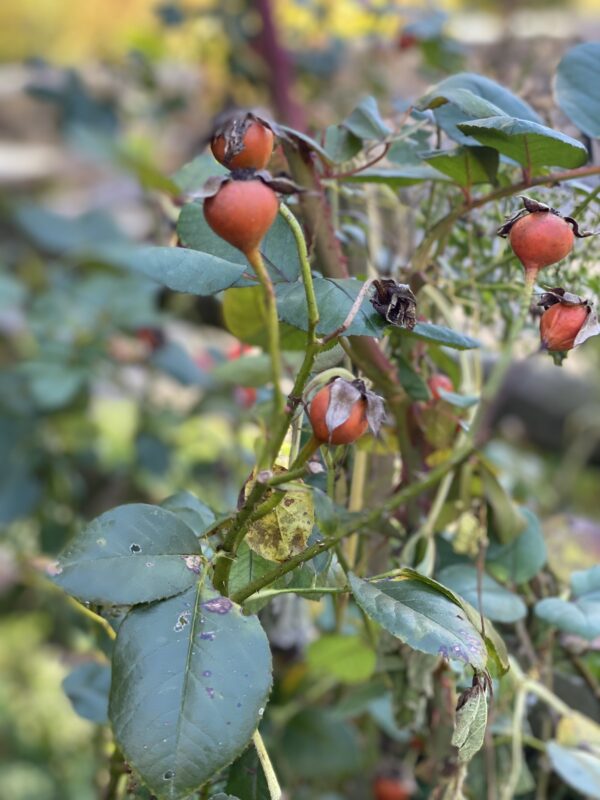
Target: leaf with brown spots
<point x="283" y="532"/>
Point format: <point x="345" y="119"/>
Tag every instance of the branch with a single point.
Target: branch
<point x="364" y="521"/>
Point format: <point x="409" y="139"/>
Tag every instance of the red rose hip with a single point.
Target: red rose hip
<point x="541" y="238"/>
<point x="254" y="147"/>
<point x="560" y="325"/>
<point x="241" y="212"/>
<point x="346" y="433"/>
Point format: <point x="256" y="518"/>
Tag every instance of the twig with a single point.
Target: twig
<point x="265" y="762"/>
<point x="349" y="173"/>
<point x="87" y="612"/>
<point x="356" y="306"/>
<point x="256" y="261"/>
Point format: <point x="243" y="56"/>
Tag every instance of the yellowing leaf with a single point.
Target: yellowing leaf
<point x="576" y="730"/>
<point x="283" y="532"/>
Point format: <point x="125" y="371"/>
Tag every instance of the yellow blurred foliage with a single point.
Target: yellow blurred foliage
<point x="71" y="31"/>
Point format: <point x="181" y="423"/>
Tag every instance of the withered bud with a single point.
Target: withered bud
<point x="278" y="183"/>
<point x="395" y="302"/>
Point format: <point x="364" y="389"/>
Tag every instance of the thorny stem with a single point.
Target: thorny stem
<point x="367" y="519"/>
<point x="265" y="762"/>
<point x="256" y="261"/>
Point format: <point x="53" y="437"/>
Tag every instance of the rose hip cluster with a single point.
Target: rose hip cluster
<point x="539" y="237"/>
<point x="242" y="206"/>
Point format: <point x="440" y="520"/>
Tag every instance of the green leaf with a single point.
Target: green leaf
<point x="421" y="614"/>
<point x="246" y="778"/>
<point x="196" y="514"/>
<point x="507" y="520"/>
<point x="499" y="604"/>
<point x="175" y="267"/>
<point x="346" y="658"/>
<point x="191" y="678"/>
<point x="335" y="299"/>
<point x="458" y="400"/>
<point x="396" y="177"/>
<point x="448" y="116"/>
<point x="577" y="87"/>
<point x="581" y="617"/>
<point x="578" y="768"/>
<point x="245" y="316"/>
<point x="58" y="234"/>
<point x="466" y="166"/>
<point x="12" y="292"/>
<point x="472" y="105"/>
<point x="341" y="144"/>
<point x="441" y="335"/>
<point x="470" y="724"/>
<point x="247" y="567"/>
<point x="87" y="688"/>
<point x="586" y="583"/>
<point x="523" y="557"/>
<point x="528" y="143"/>
<point x="317" y="744"/>
<point x="365" y="121"/>
<point x="307" y="141"/>
<point x="53" y="384"/>
<point x="411" y="381"/>
<point x="193" y="175"/>
<point x="132" y="554"/>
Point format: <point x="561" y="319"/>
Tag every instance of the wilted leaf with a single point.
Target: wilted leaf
<point x="471" y="720"/>
<point x="284" y="532"/>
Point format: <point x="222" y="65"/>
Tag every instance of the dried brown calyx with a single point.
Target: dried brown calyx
<point x="395" y="302"/>
<point x="282" y="184"/>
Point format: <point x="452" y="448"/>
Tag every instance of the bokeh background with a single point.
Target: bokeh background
<point x="99" y="101"/>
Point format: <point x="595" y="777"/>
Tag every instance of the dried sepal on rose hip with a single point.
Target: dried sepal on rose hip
<point x="342" y="411"/>
<point x="242" y="140"/>
<point x="539" y="235"/>
<point x="395" y="302"/>
<point x="568" y="320"/>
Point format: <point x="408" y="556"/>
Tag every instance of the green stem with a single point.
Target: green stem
<point x="116" y="773"/>
<point x="368" y="519"/>
<point x="87" y="612"/>
<point x="265" y="762"/>
<point x="256" y="261"/>
<point x="309" y="289"/>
